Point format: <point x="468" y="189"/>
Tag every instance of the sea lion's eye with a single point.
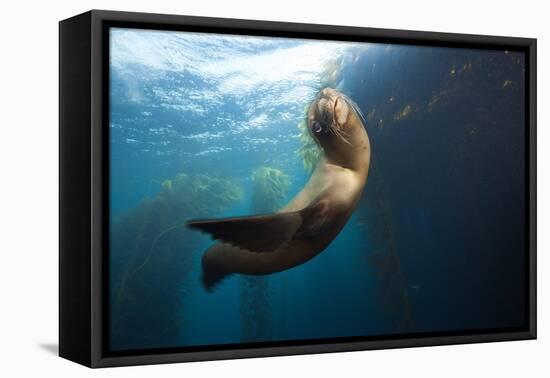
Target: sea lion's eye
<point x="316" y="126"/>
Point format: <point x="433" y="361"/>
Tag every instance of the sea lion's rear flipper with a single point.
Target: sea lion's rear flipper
<point x="261" y="233"/>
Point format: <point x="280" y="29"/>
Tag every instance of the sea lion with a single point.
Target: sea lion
<point x="264" y="244"/>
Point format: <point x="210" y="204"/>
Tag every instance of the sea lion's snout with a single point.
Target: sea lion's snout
<point x="329" y="112"/>
<point x="326" y="100"/>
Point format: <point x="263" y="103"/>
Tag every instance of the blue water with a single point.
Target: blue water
<point x="437" y="242"/>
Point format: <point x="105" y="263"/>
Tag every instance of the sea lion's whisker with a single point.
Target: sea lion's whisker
<point x="345" y="140"/>
<point x="355" y="107"/>
<point x="340" y="134"/>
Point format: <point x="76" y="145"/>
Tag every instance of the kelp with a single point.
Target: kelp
<point x="331" y="74"/>
<point x="151" y="259"/>
<point x="199" y="195"/>
<point x="269" y="191"/>
<point x="270" y="187"/>
<point x="255" y="309"/>
<point x="384" y="259"/>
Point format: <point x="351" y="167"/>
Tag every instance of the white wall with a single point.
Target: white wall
<point x="28" y="189"/>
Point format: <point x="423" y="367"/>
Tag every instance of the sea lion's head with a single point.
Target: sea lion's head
<point x="336" y="124"/>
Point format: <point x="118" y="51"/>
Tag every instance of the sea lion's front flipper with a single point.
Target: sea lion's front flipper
<point x="261" y="233"/>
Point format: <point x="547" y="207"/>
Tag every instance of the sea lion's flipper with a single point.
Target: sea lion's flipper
<point x="314" y="219"/>
<point x="211" y="277"/>
<point x="261" y="233"/>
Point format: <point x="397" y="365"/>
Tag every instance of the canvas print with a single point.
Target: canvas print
<point x="268" y="190"/>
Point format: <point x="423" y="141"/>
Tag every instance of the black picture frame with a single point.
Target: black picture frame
<point x="83" y="180"/>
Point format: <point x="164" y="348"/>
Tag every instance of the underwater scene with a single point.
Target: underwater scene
<point x="411" y="158"/>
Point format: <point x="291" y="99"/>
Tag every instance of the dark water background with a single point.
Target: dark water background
<point x="206" y="126"/>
